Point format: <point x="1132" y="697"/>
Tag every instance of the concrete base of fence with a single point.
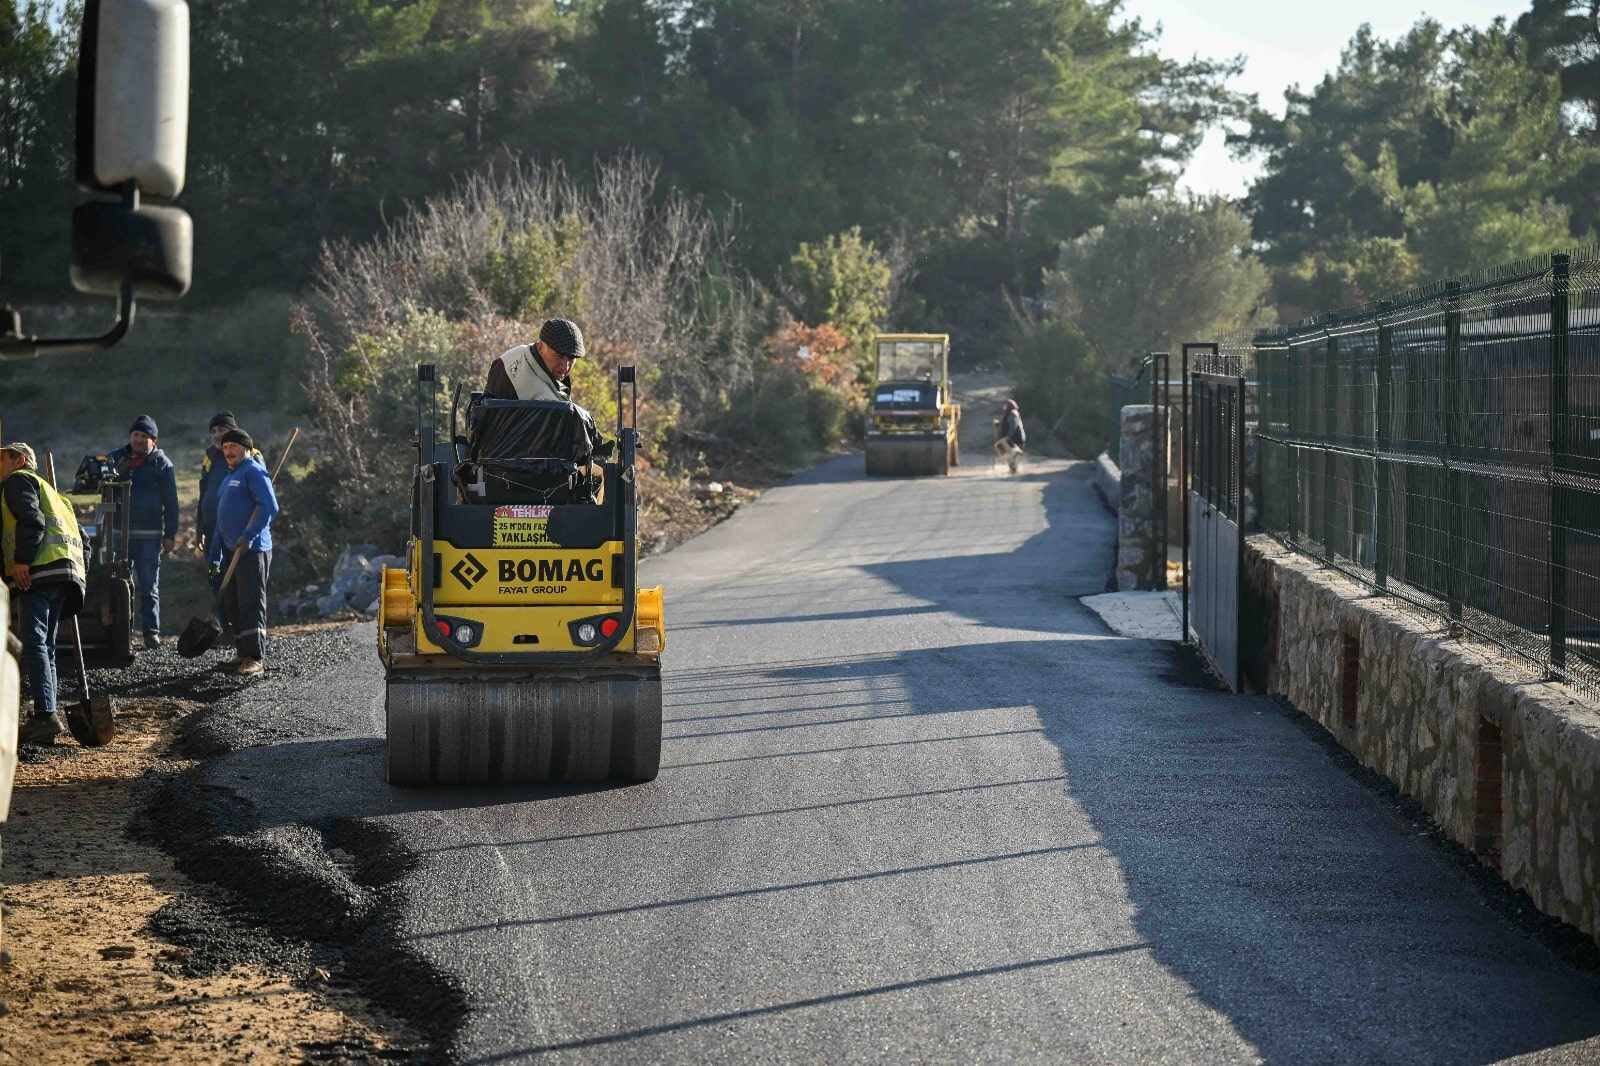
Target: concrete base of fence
<point x="1108" y="479"/>
<point x="1508" y="767"/>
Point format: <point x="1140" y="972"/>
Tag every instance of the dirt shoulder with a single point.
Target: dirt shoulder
<point x="89" y="980"/>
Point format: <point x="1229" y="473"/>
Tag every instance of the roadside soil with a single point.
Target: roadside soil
<point x="87" y="981"/>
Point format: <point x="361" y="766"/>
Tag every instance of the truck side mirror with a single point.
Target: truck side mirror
<point x="133" y="96"/>
<point x="132" y="142"/>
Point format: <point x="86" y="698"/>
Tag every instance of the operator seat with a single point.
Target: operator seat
<point x="529" y="451"/>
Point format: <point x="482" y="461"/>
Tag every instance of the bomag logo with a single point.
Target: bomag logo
<point x="548" y="570"/>
<point x="469" y="571"/>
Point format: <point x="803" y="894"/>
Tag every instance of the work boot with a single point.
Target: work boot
<point x="152" y="640"/>
<point x="246" y="667"/>
<point x="41" y="730"/>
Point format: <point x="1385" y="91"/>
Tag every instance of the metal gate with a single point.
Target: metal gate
<point x="1215" y="516"/>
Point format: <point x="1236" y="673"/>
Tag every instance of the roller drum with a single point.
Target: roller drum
<point x="462" y="727"/>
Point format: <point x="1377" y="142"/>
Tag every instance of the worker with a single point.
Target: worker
<point x="154" y="518"/>
<point x="1011" y="438"/>
<point x="41" y="550"/>
<point x="213" y="468"/>
<point x="246" y="506"/>
<point x="541" y="370"/>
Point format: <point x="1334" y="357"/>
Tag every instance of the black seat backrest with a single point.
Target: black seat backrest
<point x="546" y="431"/>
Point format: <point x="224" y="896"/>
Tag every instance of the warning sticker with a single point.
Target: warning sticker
<point x="522" y="526"/>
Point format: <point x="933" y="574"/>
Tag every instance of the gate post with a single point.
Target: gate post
<point x="1382" y="535"/>
<point x="1560" y="267"/>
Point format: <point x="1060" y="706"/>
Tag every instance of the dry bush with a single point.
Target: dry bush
<point x="467" y="276"/>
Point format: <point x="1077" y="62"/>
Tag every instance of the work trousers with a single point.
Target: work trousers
<point x="40" y="608"/>
<point x="147" y="576"/>
<point x="245" y="603"/>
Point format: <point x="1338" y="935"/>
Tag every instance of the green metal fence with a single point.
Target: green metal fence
<point x="1444" y="448"/>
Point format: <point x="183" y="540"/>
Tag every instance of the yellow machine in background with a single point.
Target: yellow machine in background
<point x="912" y="423"/>
<point x="515" y="643"/>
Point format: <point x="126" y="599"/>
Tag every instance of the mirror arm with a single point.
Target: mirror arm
<point x="14" y="344"/>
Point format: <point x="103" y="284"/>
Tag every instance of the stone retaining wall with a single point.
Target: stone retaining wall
<point x="1108" y="479"/>
<point x="1508" y="767"/>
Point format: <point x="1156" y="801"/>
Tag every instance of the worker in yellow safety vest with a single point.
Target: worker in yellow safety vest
<point x="41" y="550"/>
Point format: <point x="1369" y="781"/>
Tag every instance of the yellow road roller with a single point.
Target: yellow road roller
<point x="516" y="645"/>
<point x="912" y="423"/>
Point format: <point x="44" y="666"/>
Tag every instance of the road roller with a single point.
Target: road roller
<point x="912" y="424"/>
<point x="516" y="644"/>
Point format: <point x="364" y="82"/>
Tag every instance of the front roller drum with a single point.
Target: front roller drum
<point x="468" y="728"/>
<point x="915" y="457"/>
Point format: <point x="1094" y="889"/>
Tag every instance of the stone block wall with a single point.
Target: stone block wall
<point x="1136" y="563"/>
<point x="1507" y="766"/>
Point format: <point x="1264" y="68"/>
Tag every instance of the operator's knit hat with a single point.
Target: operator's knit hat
<point x="564" y="336"/>
<point x="144" y="424"/>
<point x="19" y="448"/>
<point x="223" y="420"/>
<point x="239" y="437"/>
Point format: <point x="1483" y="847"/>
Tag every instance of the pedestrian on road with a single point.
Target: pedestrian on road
<point x="246" y="506"/>
<point x="41" y="551"/>
<point x="154" y="506"/>
<point x="1012" y="438"/>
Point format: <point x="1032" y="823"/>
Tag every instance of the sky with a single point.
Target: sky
<point x="1284" y="43"/>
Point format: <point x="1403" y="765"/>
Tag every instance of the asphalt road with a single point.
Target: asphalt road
<point x="918" y="805"/>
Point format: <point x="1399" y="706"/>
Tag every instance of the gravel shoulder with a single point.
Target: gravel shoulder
<point x="114" y="954"/>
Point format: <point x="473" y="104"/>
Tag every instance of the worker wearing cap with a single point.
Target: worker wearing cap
<point x="246" y="506"/>
<point x="41" y="550"/>
<point x="541" y="370"/>
<point x="213" y="468"/>
<point x="154" y="506"/>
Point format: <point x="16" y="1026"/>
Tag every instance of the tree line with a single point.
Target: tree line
<point x="1011" y="163"/>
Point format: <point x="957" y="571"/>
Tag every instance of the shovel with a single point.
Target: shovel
<point x="201" y="633"/>
<point x="91" y="719"/>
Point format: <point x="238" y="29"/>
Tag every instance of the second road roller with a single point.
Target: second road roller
<point x="913" y="426"/>
<point x="516" y="644"/>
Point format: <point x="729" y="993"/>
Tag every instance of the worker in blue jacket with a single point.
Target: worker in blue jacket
<point x="246" y="506"/>
<point x="154" y="506"/>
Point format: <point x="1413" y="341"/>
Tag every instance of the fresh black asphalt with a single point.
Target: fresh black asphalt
<point x="917" y="805"/>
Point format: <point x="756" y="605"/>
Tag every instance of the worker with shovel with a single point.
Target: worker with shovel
<point x="246" y="506"/>
<point x="41" y="550"/>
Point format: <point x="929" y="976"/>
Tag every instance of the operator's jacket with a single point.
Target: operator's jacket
<point x="154" y="505"/>
<point x="213" y="469"/>
<point x="520" y="374"/>
<point x="39" y="529"/>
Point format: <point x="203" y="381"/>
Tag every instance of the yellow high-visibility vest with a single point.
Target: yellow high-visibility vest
<point x="62" y="540"/>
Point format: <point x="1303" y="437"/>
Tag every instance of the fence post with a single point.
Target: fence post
<point x="1329" y="405"/>
<point x="1183" y="491"/>
<point x="1382" y="535"/>
<point x="1560" y="288"/>
<point x="1454" y="394"/>
<point x="1159" y="402"/>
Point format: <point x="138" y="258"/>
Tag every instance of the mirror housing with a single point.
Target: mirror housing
<point x="115" y="243"/>
<point x="133" y="96"/>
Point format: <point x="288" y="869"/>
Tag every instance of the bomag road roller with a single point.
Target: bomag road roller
<point x="516" y="645"/>
<point x="912" y="425"/>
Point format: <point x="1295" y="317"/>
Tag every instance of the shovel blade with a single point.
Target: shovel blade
<point x="198" y="637"/>
<point x="92" y="722"/>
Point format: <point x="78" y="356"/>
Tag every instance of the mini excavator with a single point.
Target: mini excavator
<point x="516" y="645"/>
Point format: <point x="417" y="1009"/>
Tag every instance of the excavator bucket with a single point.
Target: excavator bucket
<point x="517" y="647"/>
